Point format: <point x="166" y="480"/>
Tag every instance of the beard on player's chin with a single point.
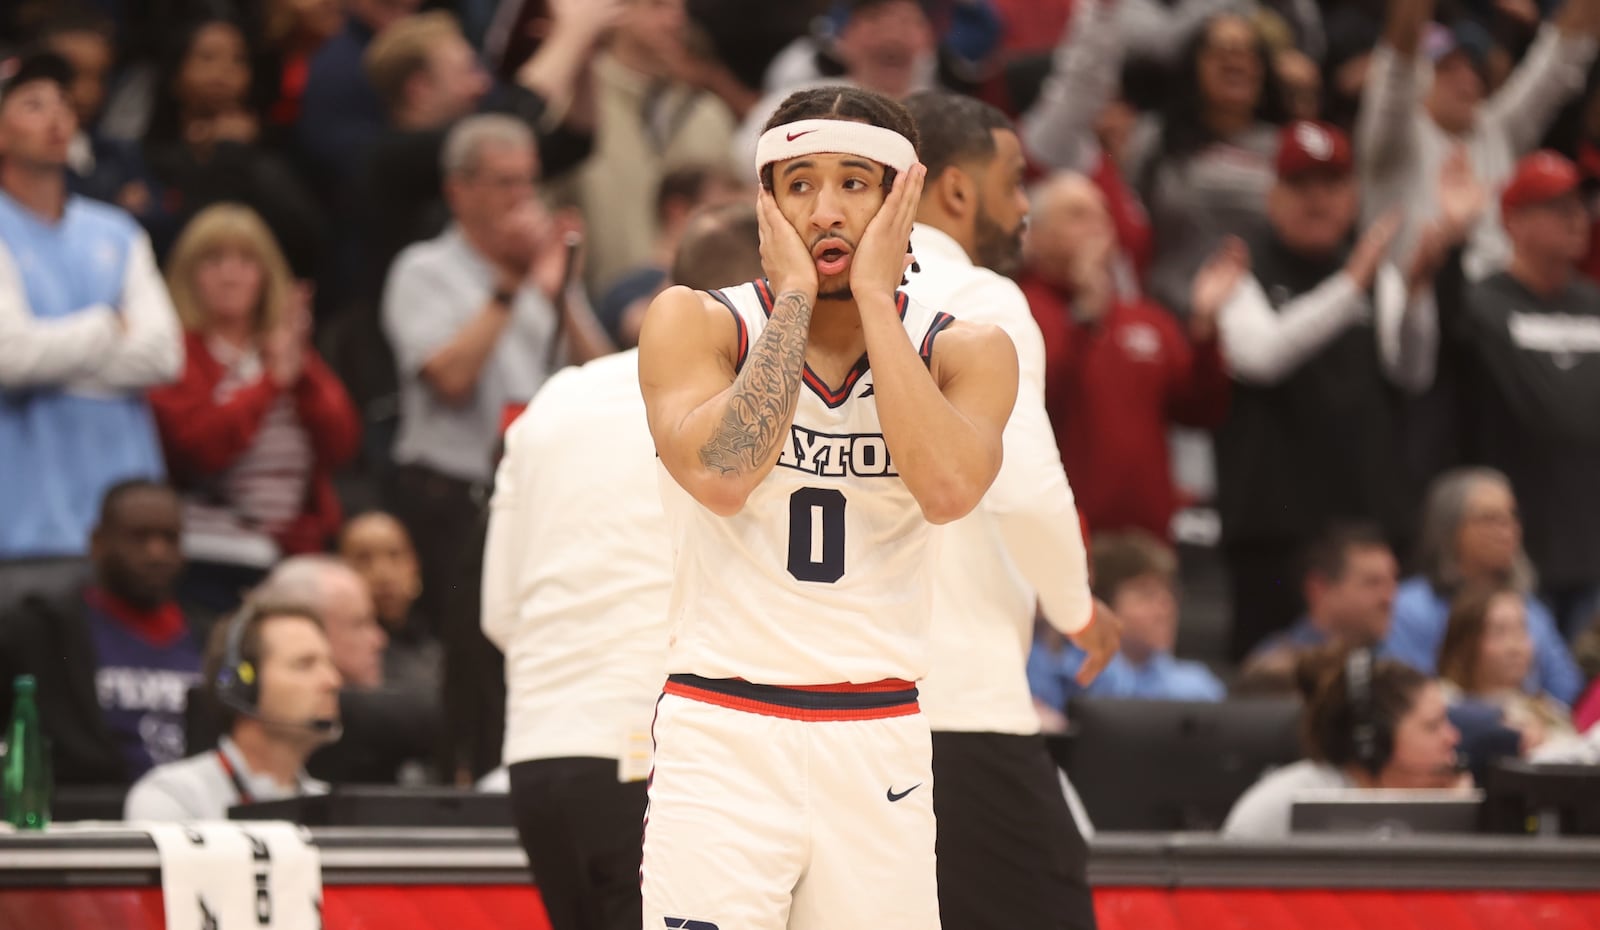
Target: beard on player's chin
<point x="840" y="293"/>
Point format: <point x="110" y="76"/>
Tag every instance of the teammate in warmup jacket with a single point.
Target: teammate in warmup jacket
<point x="793" y="770"/>
<point x="1010" y="856"/>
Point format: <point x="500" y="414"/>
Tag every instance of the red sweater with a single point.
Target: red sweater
<point x="1112" y="388"/>
<point x="203" y="437"/>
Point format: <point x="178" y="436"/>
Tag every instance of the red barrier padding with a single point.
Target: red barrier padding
<point x="516" y="907"/>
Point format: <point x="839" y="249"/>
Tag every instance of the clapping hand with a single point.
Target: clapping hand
<point x="549" y="270"/>
<point x="283" y="350"/>
<point x="1217" y="279"/>
<point x="1372" y="248"/>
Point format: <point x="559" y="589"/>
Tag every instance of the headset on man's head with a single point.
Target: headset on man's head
<point x="237" y="684"/>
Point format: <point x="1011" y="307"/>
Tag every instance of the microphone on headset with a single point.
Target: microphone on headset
<point x="327" y="726"/>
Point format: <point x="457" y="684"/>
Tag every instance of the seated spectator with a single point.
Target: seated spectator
<point x="76" y="359"/>
<point x="1136" y="575"/>
<point x="390" y="728"/>
<point x="471" y="317"/>
<point x="1471" y="536"/>
<point x="204" y="147"/>
<point x="1366" y="724"/>
<point x="256" y="426"/>
<point x="682" y="191"/>
<point x="115" y="658"/>
<point x="1118" y="372"/>
<point x="1425" y="95"/>
<point x="1349" y="590"/>
<point x="1317" y="329"/>
<point x="378" y="547"/>
<point x="270" y="670"/>
<point x="1531" y="335"/>
<point x="1487" y="655"/>
<point x="343" y="603"/>
<point x="105" y="169"/>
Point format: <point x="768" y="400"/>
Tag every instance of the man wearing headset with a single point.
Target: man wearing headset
<point x="270" y="669"/>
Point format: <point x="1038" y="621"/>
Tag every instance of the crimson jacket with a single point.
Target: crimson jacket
<point x="202" y="437"/>
<point x="1112" y="388"/>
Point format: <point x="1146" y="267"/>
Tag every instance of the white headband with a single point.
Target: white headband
<point x="835" y="136"/>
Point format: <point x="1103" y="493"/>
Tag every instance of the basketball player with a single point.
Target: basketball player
<point x="793" y="777"/>
<point x="577" y="575"/>
<point x="1010" y="854"/>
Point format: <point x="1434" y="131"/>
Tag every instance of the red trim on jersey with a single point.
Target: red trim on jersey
<point x="940" y="322"/>
<point x="808" y="715"/>
<point x="846" y="687"/>
<point x="830" y="396"/>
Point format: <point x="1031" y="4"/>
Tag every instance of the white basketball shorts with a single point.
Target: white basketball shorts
<point x="802" y="808"/>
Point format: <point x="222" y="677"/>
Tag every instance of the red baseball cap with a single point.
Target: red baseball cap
<point x="1306" y="147"/>
<point x="1544" y="175"/>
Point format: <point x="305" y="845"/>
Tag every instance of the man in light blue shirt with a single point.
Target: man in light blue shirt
<point x="1136" y="575"/>
<point x="1349" y="590"/>
<point x="85" y="325"/>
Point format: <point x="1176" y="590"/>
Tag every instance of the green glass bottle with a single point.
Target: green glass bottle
<point x="27" y="768"/>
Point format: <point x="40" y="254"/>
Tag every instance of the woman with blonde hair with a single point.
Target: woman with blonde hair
<point x="256" y="426"/>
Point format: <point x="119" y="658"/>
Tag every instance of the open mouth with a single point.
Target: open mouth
<point x="832" y="256"/>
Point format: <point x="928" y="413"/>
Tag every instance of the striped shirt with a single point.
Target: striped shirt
<point x="235" y="514"/>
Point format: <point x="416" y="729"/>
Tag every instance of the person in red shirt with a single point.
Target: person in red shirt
<point x="257" y="424"/>
<point x="1118" y="371"/>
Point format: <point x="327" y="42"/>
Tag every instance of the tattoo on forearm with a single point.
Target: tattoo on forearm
<point x="765" y="393"/>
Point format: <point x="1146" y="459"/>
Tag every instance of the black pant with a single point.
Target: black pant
<point x="1010" y="854"/>
<point x="446" y="518"/>
<point x="583" y="832"/>
<point x="1265" y="580"/>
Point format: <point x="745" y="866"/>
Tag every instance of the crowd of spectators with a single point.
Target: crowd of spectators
<point x="275" y="275"/>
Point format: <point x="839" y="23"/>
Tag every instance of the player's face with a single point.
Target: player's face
<point x="1002" y="205"/>
<point x="829" y="199"/>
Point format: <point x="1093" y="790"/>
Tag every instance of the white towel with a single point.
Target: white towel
<point x="229" y="875"/>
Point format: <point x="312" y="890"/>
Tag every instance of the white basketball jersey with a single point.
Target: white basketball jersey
<point x="825" y="576"/>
